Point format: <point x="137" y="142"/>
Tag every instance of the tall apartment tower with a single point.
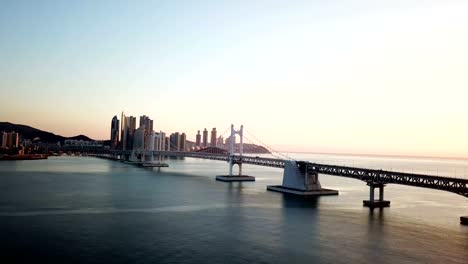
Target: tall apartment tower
<point x="205" y="138"/>
<point x="131" y="131"/>
<point x="147" y="123"/>
<point x="198" y="139"/>
<point x="4" y="139"/>
<point x="220" y="141"/>
<point x="114" y="137"/>
<point x="175" y="141"/>
<point x="139" y="139"/>
<point x="128" y="127"/>
<point x="227" y="142"/>
<point x="10" y="140"/>
<point x="183" y="139"/>
<point x="213" y="137"/>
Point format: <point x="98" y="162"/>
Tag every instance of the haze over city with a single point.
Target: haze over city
<point x="385" y="77"/>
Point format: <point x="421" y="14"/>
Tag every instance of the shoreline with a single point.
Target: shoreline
<point x="24" y="157"/>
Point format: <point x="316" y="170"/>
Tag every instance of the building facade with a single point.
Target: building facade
<point x="10" y="140"/>
<point x="205" y="138"/>
<point x="198" y="139"/>
<point x="128" y="127"/>
<point x="213" y="137"/>
<point x="139" y="139"/>
<point x="114" y="137"/>
<point x="183" y="140"/>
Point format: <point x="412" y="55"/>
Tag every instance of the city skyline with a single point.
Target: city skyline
<point x="361" y="78"/>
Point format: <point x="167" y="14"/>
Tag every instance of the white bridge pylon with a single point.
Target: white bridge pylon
<point x="232" y="150"/>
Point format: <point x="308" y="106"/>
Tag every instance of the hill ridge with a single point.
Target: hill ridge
<point x="28" y="132"/>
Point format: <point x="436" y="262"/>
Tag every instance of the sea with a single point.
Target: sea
<point x="88" y="210"/>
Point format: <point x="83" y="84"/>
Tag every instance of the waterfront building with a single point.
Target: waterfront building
<point x="150" y="141"/>
<point x="175" y="141"/>
<point x="161" y="141"/>
<point x="139" y="139"/>
<point x="220" y="141"/>
<point x="128" y="125"/>
<point x="205" y="138"/>
<point x="82" y="143"/>
<point x="10" y="140"/>
<point x="131" y="132"/>
<point x="147" y="123"/>
<point x="114" y="138"/>
<point x="4" y="139"/>
<point x="167" y="144"/>
<point x="198" y="139"/>
<point x="182" y="144"/>
<point x="213" y="137"/>
<point x="228" y="141"/>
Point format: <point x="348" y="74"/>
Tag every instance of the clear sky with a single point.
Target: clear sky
<point x="383" y="77"/>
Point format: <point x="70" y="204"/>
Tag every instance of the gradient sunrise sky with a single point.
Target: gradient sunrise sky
<point x="378" y="77"/>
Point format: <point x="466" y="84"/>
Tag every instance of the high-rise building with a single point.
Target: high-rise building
<point x="198" y="139"/>
<point x="139" y="139"/>
<point x="228" y="141"/>
<point x="183" y="145"/>
<point x="175" y="141"/>
<point x="114" y="137"/>
<point x="167" y="143"/>
<point x="162" y="141"/>
<point x="150" y="141"/>
<point x="213" y="137"/>
<point x="147" y="123"/>
<point x="128" y="125"/>
<point x="158" y="146"/>
<point x="205" y="138"/>
<point x="10" y="140"/>
<point x="131" y="131"/>
<point x="4" y="139"/>
<point x="220" y="141"/>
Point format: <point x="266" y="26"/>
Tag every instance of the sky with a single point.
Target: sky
<point x="370" y="77"/>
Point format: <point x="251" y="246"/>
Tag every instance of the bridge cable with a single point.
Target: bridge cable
<point x="272" y="151"/>
<point x="268" y="147"/>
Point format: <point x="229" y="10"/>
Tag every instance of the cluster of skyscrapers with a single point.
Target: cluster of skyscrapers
<point x="125" y="136"/>
<point x="201" y="141"/>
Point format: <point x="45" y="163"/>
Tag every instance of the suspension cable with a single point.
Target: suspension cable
<point x="268" y="147"/>
<point x="271" y="153"/>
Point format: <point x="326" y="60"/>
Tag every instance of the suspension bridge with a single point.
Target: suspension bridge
<point x="300" y="177"/>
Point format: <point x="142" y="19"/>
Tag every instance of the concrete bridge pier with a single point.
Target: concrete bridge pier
<point x="298" y="180"/>
<point x="372" y="203"/>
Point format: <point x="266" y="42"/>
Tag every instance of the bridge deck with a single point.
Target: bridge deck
<point x="455" y="185"/>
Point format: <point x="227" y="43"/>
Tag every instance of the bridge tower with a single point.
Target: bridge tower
<point x="235" y="159"/>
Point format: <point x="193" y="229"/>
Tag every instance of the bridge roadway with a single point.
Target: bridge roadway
<point x="455" y="185"/>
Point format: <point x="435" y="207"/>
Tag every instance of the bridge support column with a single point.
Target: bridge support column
<point x="372" y="203"/>
<point x="300" y="179"/>
<point x="235" y="178"/>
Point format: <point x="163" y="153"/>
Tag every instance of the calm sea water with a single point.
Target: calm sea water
<point x="87" y="210"/>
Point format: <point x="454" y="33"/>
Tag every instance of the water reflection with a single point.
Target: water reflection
<point x="294" y="201"/>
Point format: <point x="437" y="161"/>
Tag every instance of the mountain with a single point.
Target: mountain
<point x="31" y="133"/>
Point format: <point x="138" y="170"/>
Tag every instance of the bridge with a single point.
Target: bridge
<point x="302" y="177"/>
